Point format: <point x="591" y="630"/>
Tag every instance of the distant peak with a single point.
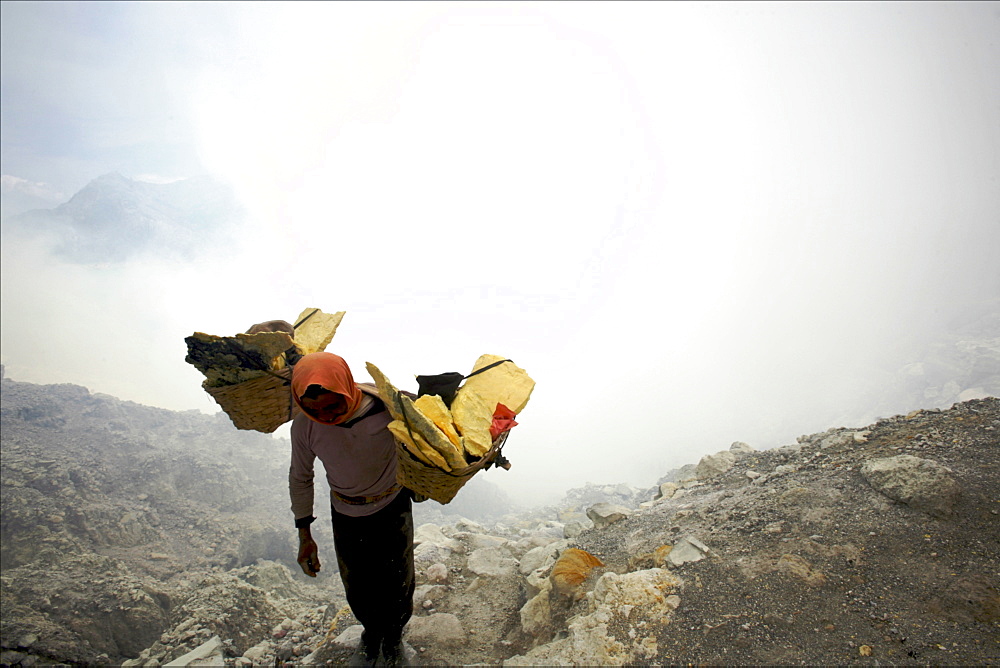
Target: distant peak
<point x="111" y="177"/>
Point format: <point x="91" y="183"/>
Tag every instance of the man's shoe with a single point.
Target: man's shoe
<point x="394" y="654"/>
<point x="366" y="655"/>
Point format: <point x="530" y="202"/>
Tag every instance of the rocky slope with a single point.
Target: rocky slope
<point x="114" y="515"/>
<point x="850" y="546"/>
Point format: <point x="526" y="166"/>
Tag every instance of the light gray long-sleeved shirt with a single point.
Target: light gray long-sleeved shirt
<point x="360" y="463"/>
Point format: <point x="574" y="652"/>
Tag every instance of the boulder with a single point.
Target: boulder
<point x="207" y="654"/>
<point x="541" y="557"/>
<point x="432" y="545"/>
<point x="536" y="614"/>
<point x="649" y="591"/>
<point x="741" y="448"/>
<point x="687" y="549"/>
<point x="350" y="637"/>
<point x="468" y="526"/>
<point x="919" y="483"/>
<point x="787" y="452"/>
<point x="574" y="529"/>
<point x="715" y="465"/>
<point x="615" y="599"/>
<point x="666" y="490"/>
<point x="605" y="514"/>
<point x="492" y="562"/>
<point x="588" y="644"/>
<point x="427" y="592"/>
<point x="431" y="534"/>
<point x="440" y="629"/>
<point x="476" y="541"/>
<point x="528" y="543"/>
<point x="437" y="573"/>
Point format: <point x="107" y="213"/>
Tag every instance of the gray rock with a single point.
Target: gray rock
<point x="574" y="529"/>
<point x="431" y="534"/>
<point x="739" y="447"/>
<point x="430" y="554"/>
<point x="838" y="439"/>
<point x="686" y="472"/>
<point x="552" y="529"/>
<point x="686" y="550"/>
<point x="285" y="651"/>
<point x="920" y="483"/>
<point x="525" y="545"/>
<point x="350" y="637"/>
<point x="476" y="541"/>
<point x="468" y="526"/>
<point x="605" y="514"/>
<point x="666" y="490"/>
<point x="210" y="649"/>
<point x="492" y="562"/>
<point x="711" y="466"/>
<point x="536" y="613"/>
<point x="437" y="573"/>
<point x="427" y="592"/>
<point x="541" y="557"/>
<point x="272" y="577"/>
<point x="788" y="451"/>
<point x="588" y="641"/>
<point x="439" y="629"/>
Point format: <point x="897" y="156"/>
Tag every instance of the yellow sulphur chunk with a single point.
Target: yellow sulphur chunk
<point x="506" y="384"/>
<point x="417" y="446"/>
<point x="473" y="418"/>
<point x="401" y="408"/>
<point x="386" y="390"/>
<point x="434" y="408"/>
<point x="315" y="334"/>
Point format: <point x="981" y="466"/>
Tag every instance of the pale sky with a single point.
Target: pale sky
<point x="690" y="223"/>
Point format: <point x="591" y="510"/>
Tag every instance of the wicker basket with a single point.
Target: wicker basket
<point x="434" y="483"/>
<point x="262" y="404"/>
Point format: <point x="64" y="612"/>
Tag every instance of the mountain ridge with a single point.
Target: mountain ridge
<point x="113" y="219"/>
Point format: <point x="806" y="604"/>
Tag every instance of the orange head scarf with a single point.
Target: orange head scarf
<point x="330" y="372"/>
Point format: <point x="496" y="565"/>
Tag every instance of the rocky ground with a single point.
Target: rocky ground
<point x="113" y="516"/>
<point x="876" y="545"/>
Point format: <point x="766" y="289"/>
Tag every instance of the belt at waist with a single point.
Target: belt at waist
<point x="362" y="500"/>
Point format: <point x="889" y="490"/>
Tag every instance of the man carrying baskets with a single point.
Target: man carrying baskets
<point x="344" y="424"/>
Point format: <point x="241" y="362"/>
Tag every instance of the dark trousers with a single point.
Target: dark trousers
<point x="375" y="554"/>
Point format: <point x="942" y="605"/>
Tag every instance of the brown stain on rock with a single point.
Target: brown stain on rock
<point x="571" y="569"/>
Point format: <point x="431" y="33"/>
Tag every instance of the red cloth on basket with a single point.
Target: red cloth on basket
<point x="503" y="420"/>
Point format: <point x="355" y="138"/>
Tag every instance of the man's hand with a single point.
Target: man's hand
<point x="308" y="553"/>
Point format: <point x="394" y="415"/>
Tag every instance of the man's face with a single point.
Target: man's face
<point x="322" y="404"/>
